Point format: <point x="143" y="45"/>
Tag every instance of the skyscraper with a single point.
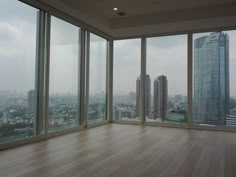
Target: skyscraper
<point x="32" y="101"/>
<point x="147" y="95"/>
<point x="138" y="83"/>
<point x="211" y="79"/>
<point x="160" y="97"/>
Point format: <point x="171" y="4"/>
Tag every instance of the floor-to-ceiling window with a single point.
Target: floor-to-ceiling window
<point x="231" y="116"/>
<point x="18" y="95"/>
<point x="165" y="97"/>
<point x="214" y="63"/>
<point x="64" y="76"/>
<point x="97" y="79"/>
<point x="166" y="79"/>
<point x="126" y="79"/>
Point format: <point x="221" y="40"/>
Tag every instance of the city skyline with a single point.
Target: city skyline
<point x="126" y="54"/>
<point x="124" y="88"/>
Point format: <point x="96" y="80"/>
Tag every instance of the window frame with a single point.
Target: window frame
<point x="107" y="92"/>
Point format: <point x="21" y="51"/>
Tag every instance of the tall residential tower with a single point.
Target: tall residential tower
<point x="160" y="97"/>
<point x="147" y="95"/>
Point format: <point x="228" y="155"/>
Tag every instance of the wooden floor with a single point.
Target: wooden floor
<point x="126" y="151"/>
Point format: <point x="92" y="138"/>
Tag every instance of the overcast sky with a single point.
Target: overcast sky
<point x="17" y="46"/>
<point x="64" y="65"/>
<point x="165" y="56"/>
<point x="64" y="54"/>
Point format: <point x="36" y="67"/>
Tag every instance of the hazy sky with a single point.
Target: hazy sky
<point x="17" y="46"/>
<point x="168" y="56"/>
<point x="165" y="55"/>
<point x="98" y="65"/>
<point x="18" y="52"/>
<point x="127" y="62"/>
<point x="64" y="65"/>
<point x="64" y="54"/>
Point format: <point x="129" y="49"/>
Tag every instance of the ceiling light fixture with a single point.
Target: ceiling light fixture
<point x="115" y="8"/>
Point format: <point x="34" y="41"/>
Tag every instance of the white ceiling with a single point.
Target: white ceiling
<point x="144" y="17"/>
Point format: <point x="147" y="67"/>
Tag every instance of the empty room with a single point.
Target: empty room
<point x="117" y="88"/>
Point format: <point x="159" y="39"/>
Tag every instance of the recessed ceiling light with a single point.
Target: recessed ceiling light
<point x="115" y="9"/>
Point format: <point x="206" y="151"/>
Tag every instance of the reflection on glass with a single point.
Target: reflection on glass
<point x="64" y="76"/>
<point x="17" y="70"/>
<point x="166" y="79"/>
<point x="97" y="80"/>
<point x="126" y="79"/>
<point x="213" y="80"/>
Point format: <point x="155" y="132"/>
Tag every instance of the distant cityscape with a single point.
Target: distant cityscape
<point x="212" y="104"/>
<point x="18" y="113"/>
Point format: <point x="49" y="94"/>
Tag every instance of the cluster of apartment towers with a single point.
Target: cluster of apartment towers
<point x="160" y="96"/>
<point x="211" y="92"/>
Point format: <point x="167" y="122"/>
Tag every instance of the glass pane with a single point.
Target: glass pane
<point x="64" y="76"/>
<point x="166" y="79"/>
<point x="213" y="79"/>
<point x="17" y="70"/>
<point x="231" y="117"/>
<point x="97" y="80"/>
<point x="126" y="79"/>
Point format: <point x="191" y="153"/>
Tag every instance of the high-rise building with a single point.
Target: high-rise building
<point x="147" y="95"/>
<point x="211" y="79"/>
<point x="138" y="96"/>
<point x="32" y="101"/>
<point x="160" y="97"/>
<point x="117" y="114"/>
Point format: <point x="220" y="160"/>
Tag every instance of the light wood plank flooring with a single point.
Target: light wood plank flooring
<point x="126" y="151"/>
